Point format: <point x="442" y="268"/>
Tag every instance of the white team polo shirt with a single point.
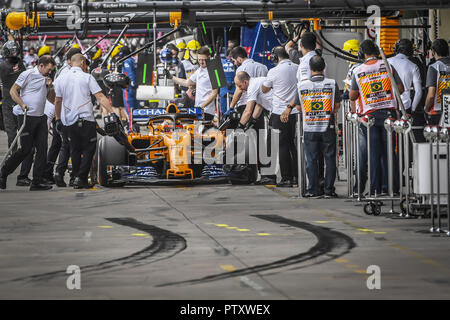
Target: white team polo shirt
<point x="75" y="89"/>
<point x="203" y="89"/>
<point x="33" y="92"/>
<point x="64" y="69"/>
<point x="304" y="71"/>
<point x="409" y="73"/>
<point x="283" y="81"/>
<point x="59" y="77"/>
<point x="49" y="112"/>
<point x="254" y="93"/>
<point x="254" y="70"/>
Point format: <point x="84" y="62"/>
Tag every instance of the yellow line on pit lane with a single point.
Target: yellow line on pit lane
<point x="262" y="234"/>
<point x="228" y="267"/>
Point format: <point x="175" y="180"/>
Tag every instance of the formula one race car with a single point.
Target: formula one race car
<point x="178" y="148"/>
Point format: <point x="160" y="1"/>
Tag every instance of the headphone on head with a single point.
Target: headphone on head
<point x="273" y="56"/>
<point x="360" y="54"/>
<point x="406" y="45"/>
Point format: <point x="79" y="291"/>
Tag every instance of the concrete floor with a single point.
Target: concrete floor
<point x="210" y="242"/>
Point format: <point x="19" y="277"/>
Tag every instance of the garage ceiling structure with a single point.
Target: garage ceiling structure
<point x="103" y="14"/>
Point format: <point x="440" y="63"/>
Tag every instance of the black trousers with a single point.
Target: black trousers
<point x="64" y="153"/>
<point x="11" y="127"/>
<point x="53" y="151"/>
<point x="35" y="136"/>
<point x="287" y="147"/>
<point x="83" y="141"/>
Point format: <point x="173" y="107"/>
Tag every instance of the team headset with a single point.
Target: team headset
<point x="361" y="54"/>
<point x="273" y="56"/>
<point x="408" y="46"/>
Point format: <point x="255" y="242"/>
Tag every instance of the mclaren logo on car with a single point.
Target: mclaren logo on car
<point x="104" y="20"/>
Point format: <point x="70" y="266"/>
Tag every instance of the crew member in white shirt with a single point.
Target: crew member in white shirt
<point x="30" y="91"/>
<point x="308" y="46"/>
<point x="64" y="151"/>
<point x="258" y="103"/>
<point x="74" y="97"/>
<point x="254" y="69"/>
<point x="205" y="95"/>
<point x="283" y="81"/>
<point x="30" y="58"/>
<point x="409" y="74"/>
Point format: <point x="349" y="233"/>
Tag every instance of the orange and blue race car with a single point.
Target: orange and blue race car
<point x="174" y="147"/>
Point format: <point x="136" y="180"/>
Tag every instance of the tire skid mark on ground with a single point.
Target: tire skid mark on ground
<point x="165" y="245"/>
<point x="331" y="245"/>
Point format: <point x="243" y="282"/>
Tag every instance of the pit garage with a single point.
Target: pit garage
<point x="174" y="207"/>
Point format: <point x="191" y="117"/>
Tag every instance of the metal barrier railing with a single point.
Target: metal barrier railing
<point x="407" y="200"/>
<point x="435" y="135"/>
<point x="400" y="132"/>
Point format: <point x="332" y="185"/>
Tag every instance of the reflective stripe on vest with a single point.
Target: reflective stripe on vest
<point x="317" y="101"/>
<point x="443" y="82"/>
<point x="374" y="87"/>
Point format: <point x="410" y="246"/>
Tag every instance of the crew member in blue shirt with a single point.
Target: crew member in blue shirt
<point x="129" y="68"/>
<point x="228" y="68"/>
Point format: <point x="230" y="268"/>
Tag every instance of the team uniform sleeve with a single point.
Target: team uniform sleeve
<point x="49" y="111"/>
<point x="269" y="79"/>
<point x="264" y="71"/>
<point x="58" y="91"/>
<point x="397" y="78"/>
<point x="431" y="77"/>
<point x="252" y="92"/>
<point x="193" y="78"/>
<point x="303" y="72"/>
<point x="93" y="85"/>
<point x="21" y="79"/>
<point x="417" y="83"/>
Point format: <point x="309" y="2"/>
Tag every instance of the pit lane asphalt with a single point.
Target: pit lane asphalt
<point x="210" y="242"/>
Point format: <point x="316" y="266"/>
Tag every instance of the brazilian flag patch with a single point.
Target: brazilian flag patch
<point x="376" y="86"/>
<point x="317" y="106"/>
